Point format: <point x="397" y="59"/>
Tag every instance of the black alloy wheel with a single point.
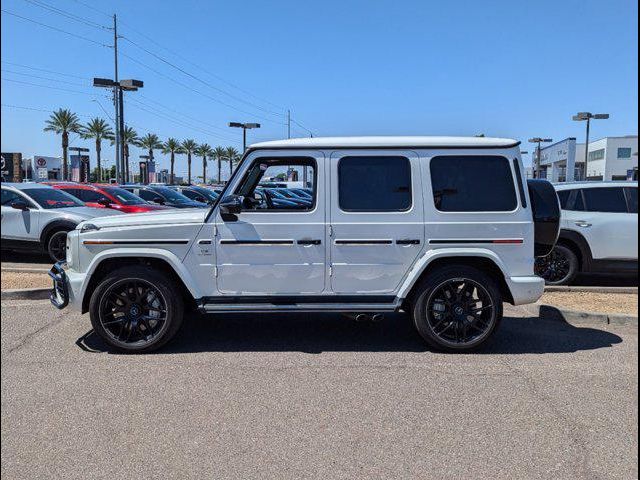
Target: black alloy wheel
<point x="57" y="246"/>
<point x="559" y="267"/>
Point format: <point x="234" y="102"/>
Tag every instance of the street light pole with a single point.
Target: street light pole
<point x="244" y="127"/>
<point x="116" y="101"/>
<point x="538" y="141"/>
<point x="587" y="116"/>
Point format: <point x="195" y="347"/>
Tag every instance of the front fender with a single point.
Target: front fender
<point x="422" y="264"/>
<point x="159" y="253"/>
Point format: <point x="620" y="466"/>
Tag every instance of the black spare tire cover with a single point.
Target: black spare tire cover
<point x="545" y="206"/>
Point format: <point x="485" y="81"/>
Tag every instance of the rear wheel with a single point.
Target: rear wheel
<point x="136" y="309"/>
<point x="57" y="246"/>
<point x="560" y="267"/>
<point x="457" y="308"/>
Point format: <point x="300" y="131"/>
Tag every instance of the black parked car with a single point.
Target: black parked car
<point x="197" y="193"/>
<point x="163" y="196"/>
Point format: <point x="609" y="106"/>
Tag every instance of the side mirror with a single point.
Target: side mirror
<point x="105" y="202"/>
<point x="20" y="205"/>
<point x="230" y="207"/>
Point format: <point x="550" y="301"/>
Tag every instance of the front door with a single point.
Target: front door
<point x="19" y="224"/>
<point x="274" y="246"/>
<point x="377" y="224"/>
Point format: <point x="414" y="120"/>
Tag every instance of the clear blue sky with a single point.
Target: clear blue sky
<point x="503" y="68"/>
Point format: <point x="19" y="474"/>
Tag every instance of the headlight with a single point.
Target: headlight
<point x="88" y="227"/>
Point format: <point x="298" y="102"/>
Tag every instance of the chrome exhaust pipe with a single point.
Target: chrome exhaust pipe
<point x="377" y="317"/>
<point x="362" y="317"/>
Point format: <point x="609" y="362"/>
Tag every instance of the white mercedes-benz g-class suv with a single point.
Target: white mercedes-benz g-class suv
<point x="443" y="228"/>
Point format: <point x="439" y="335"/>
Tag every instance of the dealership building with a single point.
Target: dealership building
<point x="610" y="158"/>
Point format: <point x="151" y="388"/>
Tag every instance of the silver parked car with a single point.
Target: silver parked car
<point x="37" y="218"/>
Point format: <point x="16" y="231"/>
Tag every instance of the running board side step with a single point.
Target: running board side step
<point x="298" y="307"/>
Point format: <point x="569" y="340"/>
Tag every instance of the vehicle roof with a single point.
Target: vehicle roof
<point x="24" y="185"/>
<point x="598" y="184"/>
<point x="390" y="142"/>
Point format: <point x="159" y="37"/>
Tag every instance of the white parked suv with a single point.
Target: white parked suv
<point x="37" y="218"/>
<point x="599" y="231"/>
<point x="444" y="228"/>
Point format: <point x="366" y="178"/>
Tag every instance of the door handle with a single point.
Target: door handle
<point x="583" y="224"/>
<point x="408" y="241"/>
<point x="309" y="242"/>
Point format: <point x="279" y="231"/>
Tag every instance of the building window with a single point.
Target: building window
<point x="374" y="184"/>
<point x="473" y="184"/>
<point x="624" y="153"/>
<point x="596" y="155"/>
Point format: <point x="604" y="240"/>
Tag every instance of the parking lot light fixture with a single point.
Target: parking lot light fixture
<point x="587" y="117"/>
<point x="538" y="141"/>
<point x="244" y="127"/>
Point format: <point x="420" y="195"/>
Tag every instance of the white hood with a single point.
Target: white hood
<point x="174" y="216"/>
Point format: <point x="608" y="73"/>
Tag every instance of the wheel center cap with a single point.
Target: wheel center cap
<point x="134" y="310"/>
<point x="458" y="310"/>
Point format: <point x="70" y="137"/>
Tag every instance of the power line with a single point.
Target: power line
<point x="22" y="107"/>
<point x="188" y="87"/>
<point x="45" y="70"/>
<point x="218" y="77"/>
<point x="198" y="79"/>
<point x="66" y="14"/>
<point x="43" y="78"/>
<point x="91" y="7"/>
<point x="47" y="86"/>
<point x="86" y="39"/>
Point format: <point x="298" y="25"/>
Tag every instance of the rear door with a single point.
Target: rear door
<point x="376" y="217"/>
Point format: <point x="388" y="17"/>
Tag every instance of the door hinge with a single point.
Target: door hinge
<point x="215" y="271"/>
<point x="331" y="270"/>
<point x="331" y="230"/>
<point x="215" y="230"/>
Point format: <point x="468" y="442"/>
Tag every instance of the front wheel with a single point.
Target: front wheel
<point x="136" y="309"/>
<point x="57" y="246"/>
<point x="457" y="308"/>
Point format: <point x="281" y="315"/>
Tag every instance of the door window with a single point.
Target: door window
<point x="8" y="197"/>
<point x="609" y="200"/>
<point x="260" y="194"/>
<point x="472" y="183"/>
<point x="632" y="199"/>
<point x="374" y="184"/>
<point x="92" y="196"/>
<point x="571" y="200"/>
<point x="148" y="195"/>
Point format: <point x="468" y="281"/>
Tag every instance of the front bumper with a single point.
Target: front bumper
<point x="525" y="290"/>
<point x="59" y="295"/>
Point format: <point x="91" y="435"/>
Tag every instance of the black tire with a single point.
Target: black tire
<point x="56" y="245"/>
<point x="435" y="313"/>
<point x="112" y="304"/>
<point x="560" y="267"/>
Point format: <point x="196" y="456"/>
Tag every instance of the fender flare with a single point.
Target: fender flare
<point x="578" y="239"/>
<point x="169" y="257"/>
<point x="67" y="225"/>
<point x="423" y="263"/>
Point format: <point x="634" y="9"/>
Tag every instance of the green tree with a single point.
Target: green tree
<point x="99" y="130"/>
<point x="233" y="156"/>
<point x="172" y="147"/>
<point x="204" y="151"/>
<point x="150" y="142"/>
<point x="62" y="122"/>
<point x="189" y="147"/>
<point x="219" y="153"/>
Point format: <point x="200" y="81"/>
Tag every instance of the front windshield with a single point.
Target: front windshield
<point x="52" y="198"/>
<point x="171" y="195"/>
<point x="125" y="197"/>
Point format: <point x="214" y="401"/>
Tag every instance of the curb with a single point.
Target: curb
<point x="24" y="270"/>
<point x="574" y="317"/>
<point x="577" y="289"/>
<point x="26" y="294"/>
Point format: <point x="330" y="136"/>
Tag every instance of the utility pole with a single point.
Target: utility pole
<point x="538" y="140"/>
<point x="288" y="123"/>
<point x="116" y="102"/>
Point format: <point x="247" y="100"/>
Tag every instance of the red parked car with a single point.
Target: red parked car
<point x="108" y="196"/>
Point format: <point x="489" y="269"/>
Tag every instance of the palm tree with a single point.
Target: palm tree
<point x="151" y="142"/>
<point x="172" y="147"/>
<point x="204" y="151"/>
<point x="128" y="137"/>
<point x="189" y="147"/>
<point x="233" y="155"/>
<point x="61" y="122"/>
<point x="100" y="130"/>
<point x="219" y="153"/>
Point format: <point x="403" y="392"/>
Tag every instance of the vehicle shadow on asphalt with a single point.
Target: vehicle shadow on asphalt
<point x="317" y="333"/>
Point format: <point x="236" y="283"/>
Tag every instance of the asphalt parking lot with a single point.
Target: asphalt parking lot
<point x="316" y="396"/>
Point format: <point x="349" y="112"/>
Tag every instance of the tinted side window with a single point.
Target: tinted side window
<point x="148" y="195"/>
<point x="571" y="200"/>
<point x="374" y="184"/>
<point x="91" y="196"/>
<point x="76" y="192"/>
<point x="563" y="195"/>
<point x="610" y="200"/>
<point x="632" y="199"/>
<point x="190" y="194"/>
<point x="8" y="197"/>
<point x="473" y="184"/>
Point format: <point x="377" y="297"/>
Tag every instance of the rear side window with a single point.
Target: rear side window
<point x="473" y="184"/>
<point x="571" y="200"/>
<point x="632" y="199"/>
<point x="564" y="198"/>
<point x="374" y="184"/>
<point x="609" y="200"/>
